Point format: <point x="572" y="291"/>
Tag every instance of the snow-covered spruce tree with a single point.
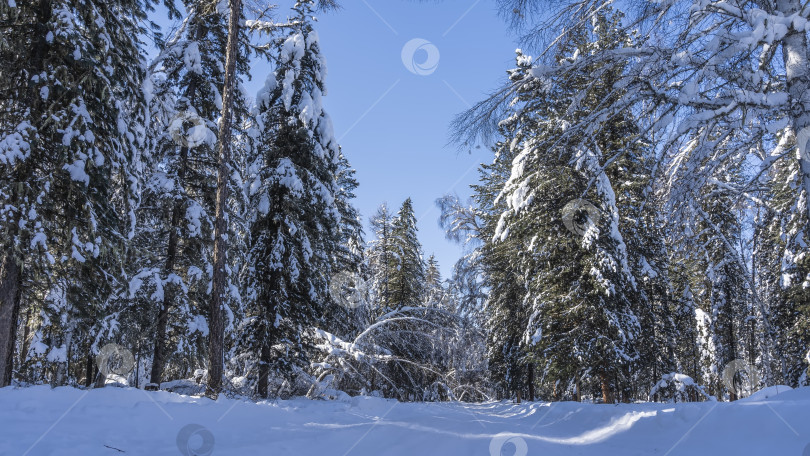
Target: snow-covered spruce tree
<point x="716" y="65"/>
<point x="504" y="314"/>
<point x="783" y="267"/>
<point x="724" y="292"/>
<point x="345" y="320"/>
<point x="350" y="253"/>
<point x="563" y="212"/>
<point x="407" y="281"/>
<point x="641" y="224"/>
<point x="69" y="147"/>
<point x="435" y="294"/>
<point x="729" y="76"/>
<point x="410" y="333"/>
<point x="382" y="260"/>
<point x="295" y="229"/>
<point x="408" y="340"/>
<point x="730" y="73"/>
<point x="687" y="319"/>
<point x="172" y="274"/>
<point x="348" y="260"/>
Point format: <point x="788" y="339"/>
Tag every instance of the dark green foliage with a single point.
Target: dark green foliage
<point x="296" y="226"/>
<point x="71" y="103"/>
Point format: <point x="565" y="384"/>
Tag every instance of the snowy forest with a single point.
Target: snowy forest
<point x="638" y="233"/>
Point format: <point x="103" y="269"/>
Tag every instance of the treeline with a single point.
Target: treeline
<point x="641" y="231"/>
<point x="163" y="229"/>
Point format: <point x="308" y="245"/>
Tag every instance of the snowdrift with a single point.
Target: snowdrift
<point x="116" y="421"/>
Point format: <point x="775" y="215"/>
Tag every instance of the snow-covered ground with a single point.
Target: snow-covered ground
<point x="115" y="421"/>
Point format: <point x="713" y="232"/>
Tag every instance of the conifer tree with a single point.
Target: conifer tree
<point x="69" y="148"/>
<point x="434" y="289"/>
<point x="641" y="225"/>
<point x="563" y="212"/>
<point x="504" y="313"/>
<point x="724" y="292"/>
<point x="219" y="276"/>
<point x="406" y="285"/>
<point x="350" y="253"/>
<point x="407" y="281"/>
<point x="295" y="229"/>
<point x="348" y="260"/>
<point x="413" y="314"/>
<point x="782" y="266"/>
<point x="382" y="260"/>
<point x="173" y="271"/>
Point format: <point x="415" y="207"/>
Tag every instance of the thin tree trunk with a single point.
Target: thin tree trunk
<point x="531" y="382"/>
<point x="731" y="343"/>
<point x="10" y="294"/>
<point x="216" y="325"/>
<point x="88" y="370"/>
<point x="26" y="336"/>
<point x="607" y="390"/>
<point x="264" y="370"/>
<point x="137" y="366"/>
<point x="158" y="358"/>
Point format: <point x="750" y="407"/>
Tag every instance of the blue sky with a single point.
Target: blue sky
<point x="394" y="124"/>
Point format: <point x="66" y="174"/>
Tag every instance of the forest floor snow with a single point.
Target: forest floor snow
<point x="127" y="421"/>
